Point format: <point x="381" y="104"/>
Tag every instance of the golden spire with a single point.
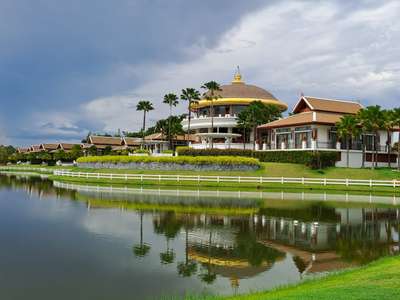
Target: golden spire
<point x="238" y="77"/>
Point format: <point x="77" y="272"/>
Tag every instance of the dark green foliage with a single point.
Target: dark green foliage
<point x="312" y="159"/>
<point x="5" y="153"/>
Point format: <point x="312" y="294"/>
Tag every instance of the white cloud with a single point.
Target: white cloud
<point x="288" y="47"/>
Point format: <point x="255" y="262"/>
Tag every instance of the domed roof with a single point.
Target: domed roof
<point x="240" y="93"/>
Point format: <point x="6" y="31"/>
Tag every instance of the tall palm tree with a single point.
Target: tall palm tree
<point x="388" y="125"/>
<point x="141" y="249"/>
<point x="373" y="122"/>
<point x="144" y="106"/>
<point x="171" y="100"/>
<point x="396" y="122"/>
<point x="212" y="88"/>
<point x="363" y="120"/>
<point x="191" y="96"/>
<point x="348" y="128"/>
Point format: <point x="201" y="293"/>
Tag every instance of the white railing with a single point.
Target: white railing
<point x="235" y="179"/>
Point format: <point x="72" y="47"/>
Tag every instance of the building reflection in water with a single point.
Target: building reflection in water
<point x="241" y="238"/>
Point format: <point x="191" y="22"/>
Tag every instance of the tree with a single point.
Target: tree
<point x="396" y="122"/>
<point x="347" y="128"/>
<point x="363" y="121"/>
<point x="256" y="114"/>
<point x="144" y="106"/>
<point x="191" y="96"/>
<point x="5" y="153"/>
<point x="170" y="127"/>
<point x="76" y="152"/>
<point x="141" y="249"/>
<point x="212" y="88"/>
<point x="373" y="120"/>
<point x="171" y="100"/>
<point x="389" y="122"/>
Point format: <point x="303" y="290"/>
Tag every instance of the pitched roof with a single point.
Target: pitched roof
<point x="309" y="117"/>
<point x="35" y="148"/>
<point x="131" y="141"/>
<point x="49" y="147"/>
<point x="181" y="137"/>
<point x="67" y="146"/>
<point x="105" y="140"/>
<point x="22" y="150"/>
<point x="328" y="105"/>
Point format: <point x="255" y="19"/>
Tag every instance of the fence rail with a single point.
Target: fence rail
<point x="235" y="179"/>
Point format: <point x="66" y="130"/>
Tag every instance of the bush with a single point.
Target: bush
<point x="141" y="151"/>
<point x="312" y="159"/>
<point x="200" y="160"/>
<point x="168" y="152"/>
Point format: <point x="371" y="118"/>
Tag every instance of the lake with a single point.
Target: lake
<point x="66" y="241"/>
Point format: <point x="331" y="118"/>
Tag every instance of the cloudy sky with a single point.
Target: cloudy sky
<point x="69" y="67"/>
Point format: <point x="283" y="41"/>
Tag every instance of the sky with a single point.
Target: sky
<point x="70" y="67"/>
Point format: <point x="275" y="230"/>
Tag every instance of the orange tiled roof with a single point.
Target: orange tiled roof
<point x="305" y="118"/>
<point x="105" y="140"/>
<point x="329" y="105"/>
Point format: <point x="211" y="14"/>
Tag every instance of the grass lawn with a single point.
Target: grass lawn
<point x="378" y="280"/>
<point x="268" y="170"/>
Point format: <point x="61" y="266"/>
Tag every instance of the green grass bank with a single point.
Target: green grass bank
<point x="378" y="280"/>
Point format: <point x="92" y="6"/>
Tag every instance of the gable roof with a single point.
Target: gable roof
<point x="49" y="147"/>
<point x="105" y="140"/>
<point x="327" y="105"/>
<point x="310" y="117"/>
<point x="67" y="146"/>
<point x="22" y="150"/>
<point x="131" y="141"/>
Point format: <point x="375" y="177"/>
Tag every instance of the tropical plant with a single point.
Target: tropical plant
<point x="144" y="106"/>
<point x="256" y="114"/>
<point x="396" y="122"/>
<point x="170" y="127"/>
<point x="171" y="100"/>
<point x="347" y="129"/>
<point x="190" y="95"/>
<point x="141" y="249"/>
<point x="389" y="122"/>
<point x="212" y="88"/>
<point x="373" y="121"/>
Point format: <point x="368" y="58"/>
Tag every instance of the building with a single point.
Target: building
<point x="233" y="98"/>
<point x="311" y="126"/>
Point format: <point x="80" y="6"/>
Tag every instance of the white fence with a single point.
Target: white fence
<point x="232" y="179"/>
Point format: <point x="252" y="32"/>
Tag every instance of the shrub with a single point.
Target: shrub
<point x="168" y="152"/>
<point x="312" y="159"/>
<point x="141" y="151"/>
<point x="200" y="160"/>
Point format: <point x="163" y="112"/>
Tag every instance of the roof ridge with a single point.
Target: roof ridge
<point x="336" y="100"/>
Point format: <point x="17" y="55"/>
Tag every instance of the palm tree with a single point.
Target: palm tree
<point x="388" y="125"/>
<point x="347" y="128"/>
<point x="363" y="120"/>
<point x="144" y="106"/>
<point x="212" y="88"/>
<point x="191" y="96"/>
<point x="373" y="120"/>
<point x="171" y="100"/>
<point x="141" y="249"/>
<point x="396" y="122"/>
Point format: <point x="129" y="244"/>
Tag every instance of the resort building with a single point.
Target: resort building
<point x="221" y="127"/>
<point x="311" y="126"/>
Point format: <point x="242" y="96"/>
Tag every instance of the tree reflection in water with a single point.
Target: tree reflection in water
<point x="141" y="249"/>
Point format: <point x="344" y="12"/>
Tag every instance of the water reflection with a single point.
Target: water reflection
<point x="239" y="243"/>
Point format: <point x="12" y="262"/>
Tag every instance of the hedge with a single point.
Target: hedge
<point x="313" y="159"/>
<point x="200" y="160"/>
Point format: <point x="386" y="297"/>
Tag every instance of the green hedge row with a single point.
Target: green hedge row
<point x="313" y="159"/>
<point x="199" y="160"/>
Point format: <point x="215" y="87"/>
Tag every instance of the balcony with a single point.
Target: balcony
<point x="198" y="122"/>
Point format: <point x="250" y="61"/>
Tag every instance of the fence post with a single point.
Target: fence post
<point x="261" y="179"/>
<point x="302" y="180"/>
<point x="177" y="177"/>
<point x="394" y="183"/>
<point x="159" y="178"/>
<point x="198" y="179"/>
<point x="325" y="181"/>
<point x="141" y="177"/>
<point x="282" y="180"/>
<point x="239" y="179"/>
<point x="370" y="183"/>
<point x="347" y="182"/>
<point x="126" y="177"/>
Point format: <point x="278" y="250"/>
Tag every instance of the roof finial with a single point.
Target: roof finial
<point x="238" y="77"/>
